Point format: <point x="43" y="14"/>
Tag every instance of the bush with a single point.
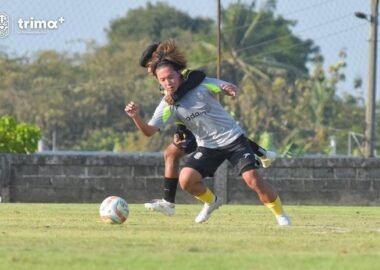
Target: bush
<point x="18" y="137"/>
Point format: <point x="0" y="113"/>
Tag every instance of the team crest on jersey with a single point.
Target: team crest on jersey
<point x="198" y="155"/>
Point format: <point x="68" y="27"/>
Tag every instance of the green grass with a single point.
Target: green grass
<point x="72" y="236"/>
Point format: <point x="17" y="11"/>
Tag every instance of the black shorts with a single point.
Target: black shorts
<point x="239" y="153"/>
<point x="190" y="142"/>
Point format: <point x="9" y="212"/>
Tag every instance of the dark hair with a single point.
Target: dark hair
<point x="147" y="54"/>
<point x="167" y="54"/>
<point x="166" y="62"/>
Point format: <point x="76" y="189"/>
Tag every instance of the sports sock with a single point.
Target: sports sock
<point x="275" y="207"/>
<point x="170" y="189"/>
<point x="207" y="197"/>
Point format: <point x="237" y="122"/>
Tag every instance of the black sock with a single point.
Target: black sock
<point x="257" y="149"/>
<point x="170" y="189"/>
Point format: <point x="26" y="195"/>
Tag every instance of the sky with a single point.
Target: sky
<point x="330" y="23"/>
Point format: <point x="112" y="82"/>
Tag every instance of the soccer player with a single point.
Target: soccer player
<point x="183" y="140"/>
<point x="218" y="135"/>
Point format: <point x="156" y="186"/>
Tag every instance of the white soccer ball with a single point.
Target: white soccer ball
<point x="114" y="210"/>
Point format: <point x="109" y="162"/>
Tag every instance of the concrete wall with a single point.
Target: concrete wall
<point x="138" y="178"/>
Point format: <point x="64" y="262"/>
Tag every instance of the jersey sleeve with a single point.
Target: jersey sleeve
<point x="214" y="85"/>
<point x="164" y="114"/>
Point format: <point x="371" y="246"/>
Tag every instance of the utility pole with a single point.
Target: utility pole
<point x="371" y="106"/>
<point x="370" y="140"/>
<point x="218" y="47"/>
<point x="218" y="41"/>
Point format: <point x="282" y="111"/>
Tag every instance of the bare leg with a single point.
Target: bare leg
<point x="264" y="190"/>
<point x="267" y="195"/>
<point x="191" y="181"/>
<point x="172" y="156"/>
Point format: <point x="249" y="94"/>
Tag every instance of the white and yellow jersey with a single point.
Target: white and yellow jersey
<point x="201" y="112"/>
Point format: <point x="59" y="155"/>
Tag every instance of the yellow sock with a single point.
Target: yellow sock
<point x="207" y="197"/>
<point x="275" y="206"/>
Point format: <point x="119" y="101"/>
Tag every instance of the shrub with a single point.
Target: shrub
<point x="18" y="137"/>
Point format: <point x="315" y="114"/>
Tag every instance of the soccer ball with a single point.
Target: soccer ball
<point x="114" y="210"/>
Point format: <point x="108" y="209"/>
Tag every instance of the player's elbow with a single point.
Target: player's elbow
<point x="149" y="134"/>
<point x="150" y="131"/>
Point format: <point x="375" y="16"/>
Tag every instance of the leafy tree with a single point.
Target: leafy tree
<point x="321" y="111"/>
<point x="257" y="44"/>
<point x="158" y="22"/>
<point x="18" y="137"/>
<point x="81" y="98"/>
<point x="38" y="89"/>
<point x="263" y="57"/>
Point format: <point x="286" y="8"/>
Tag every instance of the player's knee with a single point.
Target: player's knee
<point x="253" y="180"/>
<point x="184" y="182"/>
<point x="172" y="153"/>
<point x="188" y="178"/>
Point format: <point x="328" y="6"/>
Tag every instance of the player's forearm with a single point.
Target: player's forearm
<point x="146" y="129"/>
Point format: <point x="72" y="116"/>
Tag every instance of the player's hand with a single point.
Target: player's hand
<point x="230" y="89"/>
<point x="131" y="109"/>
<point x="169" y="99"/>
<point x="180" y="143"/>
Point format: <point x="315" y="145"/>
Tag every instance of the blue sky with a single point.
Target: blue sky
<point x="330" y="23"/>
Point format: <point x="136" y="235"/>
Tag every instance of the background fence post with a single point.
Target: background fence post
<point x="4" y="178"/>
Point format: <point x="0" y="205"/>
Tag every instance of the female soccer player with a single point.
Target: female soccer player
<point x="217" y="134"/>
<point x="184" y="141"/>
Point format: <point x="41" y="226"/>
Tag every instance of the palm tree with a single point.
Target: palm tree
<point x="259" y="49"/>
<point x="257" y="45"/>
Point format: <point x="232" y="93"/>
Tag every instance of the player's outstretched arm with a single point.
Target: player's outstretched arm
<point x="132" y="110"/>
<point x="216" y="86"/>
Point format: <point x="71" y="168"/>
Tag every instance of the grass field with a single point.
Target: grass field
<point x="71" y="236"/>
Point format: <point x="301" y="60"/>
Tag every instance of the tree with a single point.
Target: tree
<point x="262" y="56"/>
<point x="81" y="97"/>
<point x="158" y="22"/>
<point x="257" y="44"/>
<point x="18" y="137"/>
<point x="321" y="111"/>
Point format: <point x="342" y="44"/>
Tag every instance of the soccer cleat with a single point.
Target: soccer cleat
<point x="207" y="210"/>
<point x="283" y="220"/>
<point x="267" y="159"/>
<point x="162" y="206"/>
